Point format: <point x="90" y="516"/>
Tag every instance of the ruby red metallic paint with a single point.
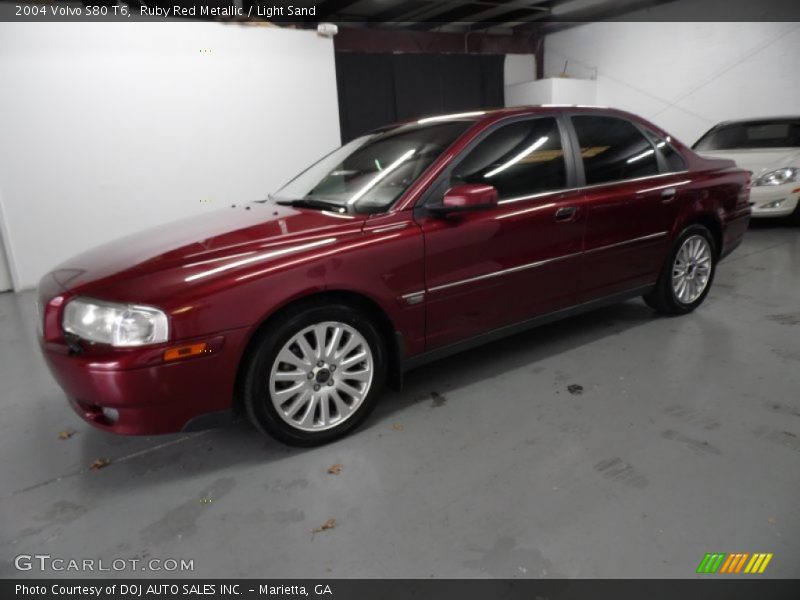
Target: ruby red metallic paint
<point x="221" y="275"/>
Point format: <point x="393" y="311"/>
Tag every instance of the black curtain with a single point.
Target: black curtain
<point x="377" y="89"/>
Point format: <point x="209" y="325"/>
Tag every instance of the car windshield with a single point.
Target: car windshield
<point x="783" y="133"/>
<point x="371" y="172"/>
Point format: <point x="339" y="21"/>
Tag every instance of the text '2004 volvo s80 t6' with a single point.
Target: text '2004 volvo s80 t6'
<point x="407" y="244"/>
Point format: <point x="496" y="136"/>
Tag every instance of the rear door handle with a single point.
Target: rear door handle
<point x="668" y="194"/>
<point x="565" y="213"/>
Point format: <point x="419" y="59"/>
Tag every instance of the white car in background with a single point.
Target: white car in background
<point x="770" y="148"/>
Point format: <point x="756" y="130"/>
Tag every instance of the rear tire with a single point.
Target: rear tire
<point x="687" y="274"/>
<point x="314" y="375"/>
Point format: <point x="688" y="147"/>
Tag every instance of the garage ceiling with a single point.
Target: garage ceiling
<point x="470" y="15"/>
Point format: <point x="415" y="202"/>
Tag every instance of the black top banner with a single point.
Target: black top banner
<point x="554" y="589"/>
<point x="375" y="12"/>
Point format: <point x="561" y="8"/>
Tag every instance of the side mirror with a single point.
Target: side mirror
<point x="469" y="196"/>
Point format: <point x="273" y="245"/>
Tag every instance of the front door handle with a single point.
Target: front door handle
<point x="566" y="213"/>
<point x="668" y="194"/>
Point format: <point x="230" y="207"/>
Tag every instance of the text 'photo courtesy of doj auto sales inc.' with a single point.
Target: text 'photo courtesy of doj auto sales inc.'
<point x="165" y="590"/>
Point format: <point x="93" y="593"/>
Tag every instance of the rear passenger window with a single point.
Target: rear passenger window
<point x="672" y="159"/>
<point x="519" y="159"/>
<point x="613" y="150"/>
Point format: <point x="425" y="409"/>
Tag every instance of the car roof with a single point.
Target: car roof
<point x="495" y="114"/>
<point x="759" y="120"/>
<point x="486" y="117"/>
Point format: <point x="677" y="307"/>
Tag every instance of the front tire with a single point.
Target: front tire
<point x="315" y="375"/>
<point x="687" y="274"/>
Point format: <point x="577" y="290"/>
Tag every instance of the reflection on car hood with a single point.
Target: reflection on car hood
<point x="759" y="161"/>
<point x="203" y="244"/>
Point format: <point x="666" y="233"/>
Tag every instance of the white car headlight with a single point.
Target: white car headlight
<point x="779" y="176"/>
<point x="121" y="325"/>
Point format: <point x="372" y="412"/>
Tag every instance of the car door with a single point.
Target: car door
<point x="661" y="198"/>
<point x="630" y="206"/>
<point x="494" y="267"/>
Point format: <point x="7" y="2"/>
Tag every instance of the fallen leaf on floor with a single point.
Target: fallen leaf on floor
<point x="66" y="434"/>
<point x="99" y="464"/>
<point x="771" y="519"/>
<point x="575" y="389"/>
<point x="335" y="469"/>
<point x="329" y="524"/>
<point x="397" y="427"/>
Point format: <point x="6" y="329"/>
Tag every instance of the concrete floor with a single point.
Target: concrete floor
<point x="685" y="440"/>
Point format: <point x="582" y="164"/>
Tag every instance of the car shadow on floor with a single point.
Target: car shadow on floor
<point x="524" y="349"/>
<point x="165" y="458"/>
<point x="773" y="223"/>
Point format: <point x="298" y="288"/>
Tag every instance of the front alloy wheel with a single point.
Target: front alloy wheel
<point x="320" y="377"/>
<point x="314" y="374"/>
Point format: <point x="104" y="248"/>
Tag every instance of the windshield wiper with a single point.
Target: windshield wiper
<point x="313" y="203"/>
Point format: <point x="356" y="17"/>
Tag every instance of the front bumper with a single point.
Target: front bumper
<point x="147" y="395"/>
<point x="788" y="195"/>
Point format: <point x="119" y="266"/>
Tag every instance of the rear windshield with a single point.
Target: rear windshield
<point x="783" y="133"/>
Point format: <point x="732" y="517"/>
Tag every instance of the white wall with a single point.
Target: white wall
<point x="519" y="68"/>
<point x="5" y="274"/>
<point x="552" y="90"/>
<point x="108" y="129"/>
<point x="685" y="77"/>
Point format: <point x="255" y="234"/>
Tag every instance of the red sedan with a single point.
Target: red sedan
<point x="405" y="245"/>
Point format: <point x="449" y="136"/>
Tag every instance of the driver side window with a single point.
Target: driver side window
<point x="520" y="159"/>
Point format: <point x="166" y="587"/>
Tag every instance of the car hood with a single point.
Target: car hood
<point x="201" y="244"/>
<point x="759" y="161"/>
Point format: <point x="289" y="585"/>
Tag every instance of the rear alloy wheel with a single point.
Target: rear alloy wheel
<point x="314" y="375"/>
<point x="687" y="275"/>
<point x="691" y="269"/>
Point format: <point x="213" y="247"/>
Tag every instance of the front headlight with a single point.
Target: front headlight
<point x="778" y="177"/>
<point x="121" y="325"/>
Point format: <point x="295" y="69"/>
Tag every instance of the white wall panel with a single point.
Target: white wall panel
<point x="685" y="77"/>
<point x="108" y="129"/>
<point x="553" y="90"/>
<point x="519" y="68"/>
<point x="5" y="273"/>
